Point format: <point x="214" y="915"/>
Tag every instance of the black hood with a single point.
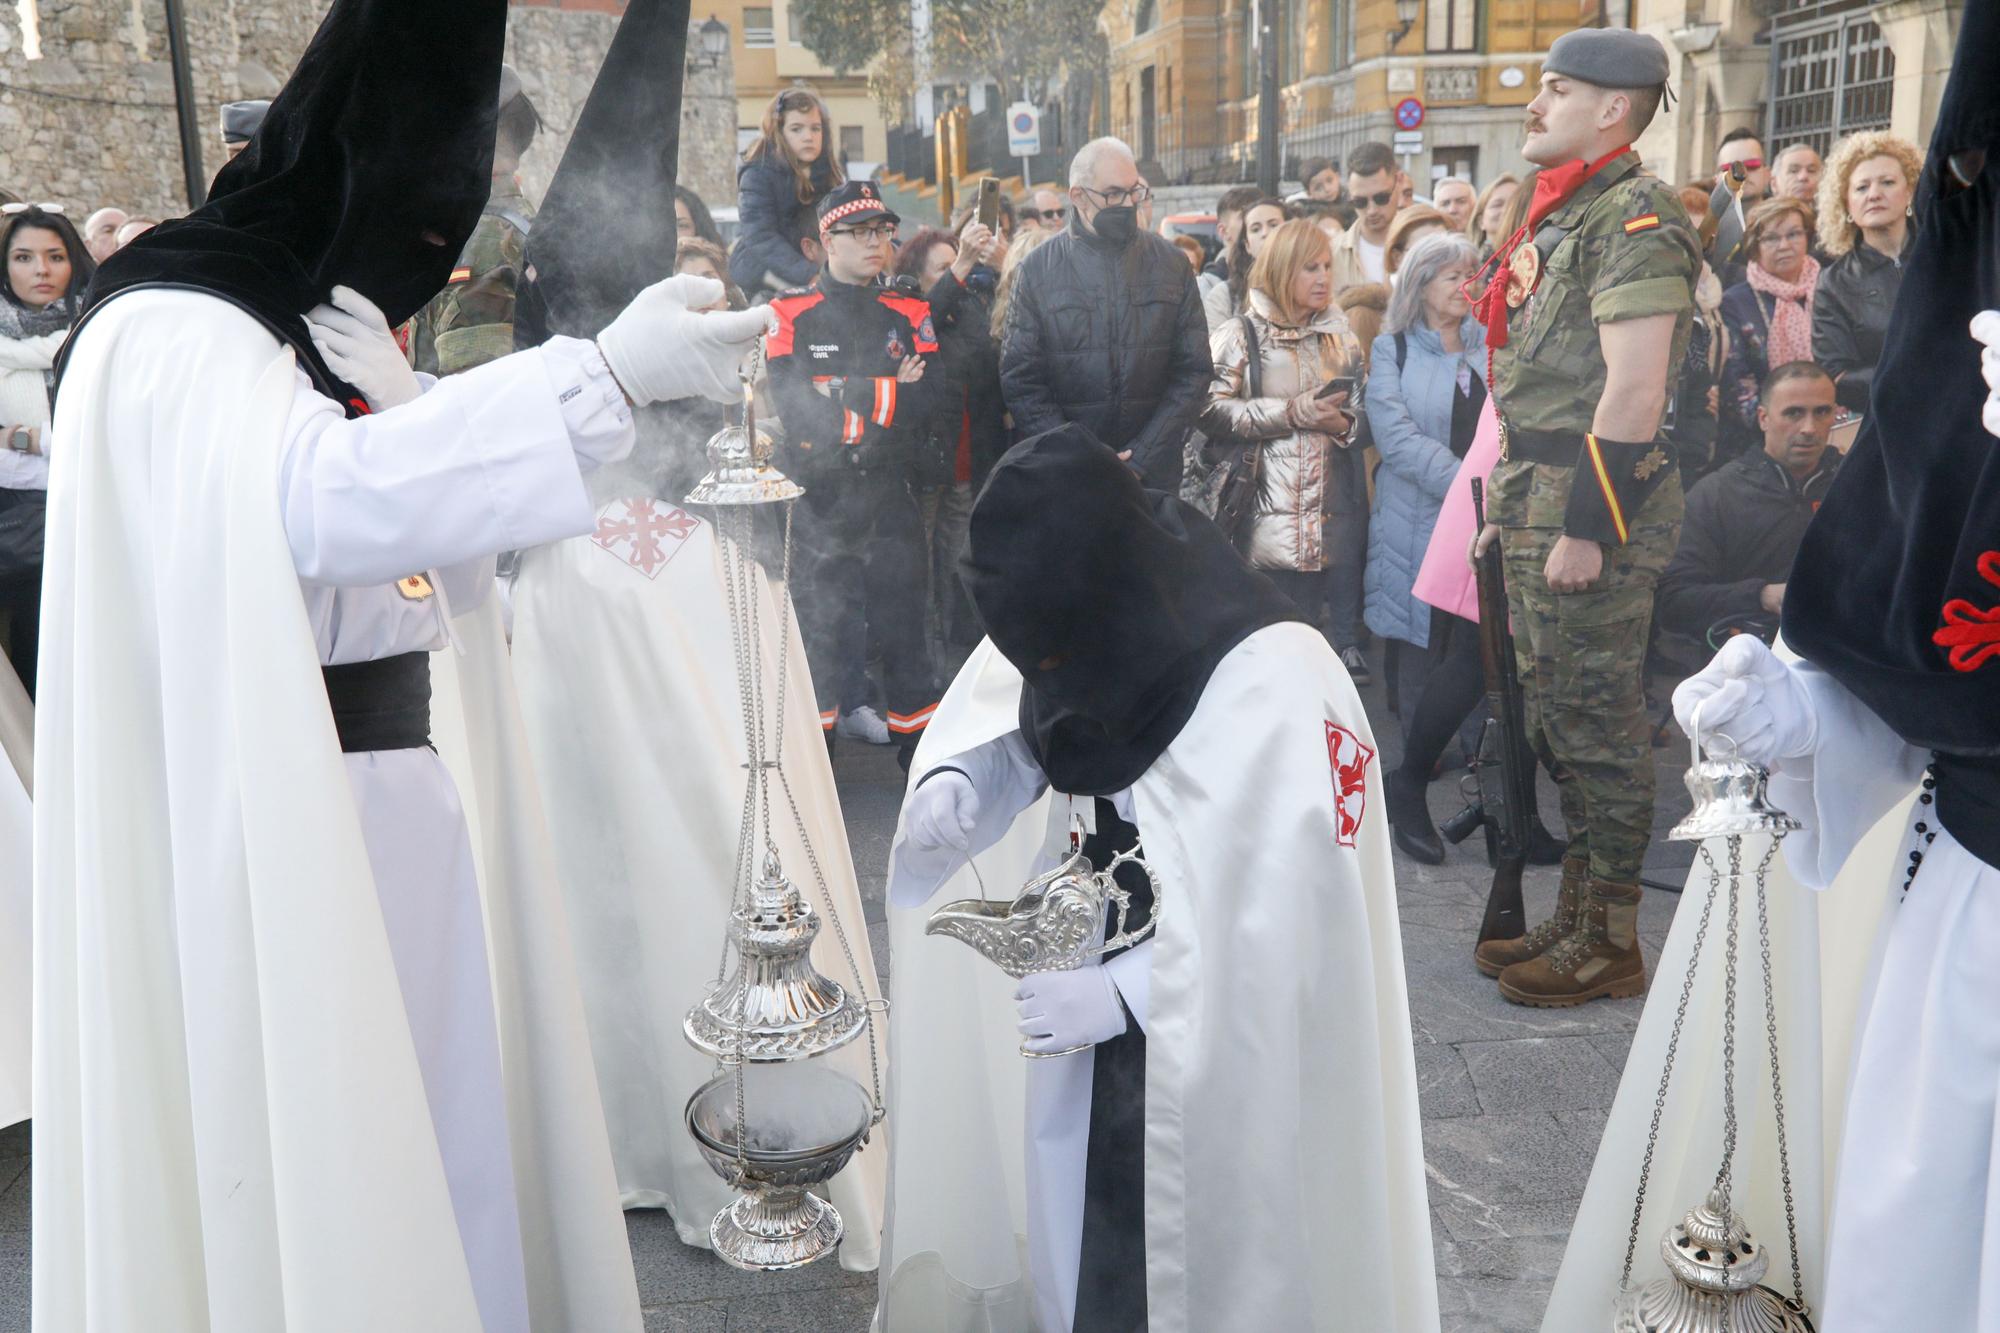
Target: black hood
<point x="369" y="171"/>
<point x="1896" y="589"/>
<point x="1116" y="604"/>
<point x="605" y="229"/>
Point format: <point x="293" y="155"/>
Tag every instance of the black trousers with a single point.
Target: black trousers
<point x="863" y="584"/>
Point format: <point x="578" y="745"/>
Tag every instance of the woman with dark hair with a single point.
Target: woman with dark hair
<point x="48" y="268"/>
<point x="1260" y="222"/>
<point x="786" y="172"/>
<point x="692" y="218"/>
<point x="969" y="432"/>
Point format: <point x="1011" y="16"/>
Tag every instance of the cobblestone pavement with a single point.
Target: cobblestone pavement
<point x="1513" y="1100"/>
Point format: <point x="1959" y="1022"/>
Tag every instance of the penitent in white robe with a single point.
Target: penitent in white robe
<point x="17" y="895"/>
<point x="622" y="646"/>
<point x="1284" y="1159"/>
<point x="1890" y="1052"/>
<point x="270" y="1086"/>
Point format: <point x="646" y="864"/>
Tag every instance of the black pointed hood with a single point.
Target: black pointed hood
<point x="369" y="171"/>
<point x="1896" y="588"/>
<point x="1116" y="604"/>
<point x="605" y="229"/>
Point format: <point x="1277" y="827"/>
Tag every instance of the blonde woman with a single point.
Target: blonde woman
<point x="1864" y="226"/>
<point x="1308" y="528"/>
<point x="1022" y="246"/>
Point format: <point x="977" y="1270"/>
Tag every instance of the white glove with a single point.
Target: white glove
<point x="660" y="348"/>
<point x="1986" y="328"/>
<point x="354" y="339"/>
<point x="942" y="813"/>
<point x="1747" y="694"/>
<point x="1064" y="1009"/>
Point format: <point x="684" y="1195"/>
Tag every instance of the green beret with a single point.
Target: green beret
<point x="1609" y="58"/>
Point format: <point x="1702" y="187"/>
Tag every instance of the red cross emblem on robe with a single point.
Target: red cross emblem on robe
<point x="1350" y="758"/>
<point x="1970" y="634"/>
<point x="643" y="532"/>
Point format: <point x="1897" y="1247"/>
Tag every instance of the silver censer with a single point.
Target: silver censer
<point x="774" y="1136"/>
<point x="1053" y="926"/>
<point x="1715" y="1267"/>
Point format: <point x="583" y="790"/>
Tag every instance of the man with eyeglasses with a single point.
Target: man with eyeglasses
<point x="1373" y="186"/>
<point x="1105" y="328"/>
<point x="847" y="364"/>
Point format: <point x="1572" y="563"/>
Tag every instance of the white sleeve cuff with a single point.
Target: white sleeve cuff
<point x="593" y="406"/>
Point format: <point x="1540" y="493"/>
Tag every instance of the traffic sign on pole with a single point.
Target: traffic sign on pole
<point x="1409" y="113"/>
<point x="1024" y="130"/>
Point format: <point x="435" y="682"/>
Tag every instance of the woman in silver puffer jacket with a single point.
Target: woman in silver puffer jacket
<point x="1299" y="530"/>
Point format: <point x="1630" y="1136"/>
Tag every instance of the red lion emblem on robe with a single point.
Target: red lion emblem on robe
<point x="1350" y="758"/>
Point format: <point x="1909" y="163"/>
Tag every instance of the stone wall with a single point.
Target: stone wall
<point x="92" y="121"/>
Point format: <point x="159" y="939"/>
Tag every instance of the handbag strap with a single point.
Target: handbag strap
<point x="1254" y="367"/>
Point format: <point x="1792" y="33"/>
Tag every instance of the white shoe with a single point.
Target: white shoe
<point x="863" y="724"/>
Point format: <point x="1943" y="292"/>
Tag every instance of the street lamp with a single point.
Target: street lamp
<point x="1406" y="19"/>
<point x="714" y="42"/>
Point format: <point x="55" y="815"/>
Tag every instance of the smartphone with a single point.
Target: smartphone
<point x="1346" y="384"/>
<point x="989" y="203"/>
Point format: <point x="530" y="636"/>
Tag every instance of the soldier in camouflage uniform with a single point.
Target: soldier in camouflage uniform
<point x="471" y="321"/>
<point x="1588" y="310"/>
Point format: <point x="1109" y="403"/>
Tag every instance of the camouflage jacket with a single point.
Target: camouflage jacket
<point x="471" y="321"/>
<point x="1621" y="248"/>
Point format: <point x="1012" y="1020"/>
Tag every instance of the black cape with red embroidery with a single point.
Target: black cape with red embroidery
<point x="1896" y="589"/>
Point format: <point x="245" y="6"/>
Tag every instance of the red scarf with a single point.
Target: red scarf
<point x="1553" y="188"/>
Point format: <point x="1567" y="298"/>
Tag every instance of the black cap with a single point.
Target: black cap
<point x="856" y="201"/>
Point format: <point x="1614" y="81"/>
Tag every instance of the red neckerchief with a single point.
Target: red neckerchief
<point x="1553" y="188"/>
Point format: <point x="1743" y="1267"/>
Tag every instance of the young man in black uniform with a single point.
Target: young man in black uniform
<point x="847" y="366"/>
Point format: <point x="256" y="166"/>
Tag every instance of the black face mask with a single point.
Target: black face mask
<point x="1119" y="223"/>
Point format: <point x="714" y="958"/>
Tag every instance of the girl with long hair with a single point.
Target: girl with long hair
<point x="786" y="172"/>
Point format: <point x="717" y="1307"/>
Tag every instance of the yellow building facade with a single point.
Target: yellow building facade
<point x="769" y="57"/>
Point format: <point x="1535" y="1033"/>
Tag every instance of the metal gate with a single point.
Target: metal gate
<point x="1831" y="76"/>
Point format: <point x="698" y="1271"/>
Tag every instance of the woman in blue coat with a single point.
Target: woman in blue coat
<point x="785" y="174"/>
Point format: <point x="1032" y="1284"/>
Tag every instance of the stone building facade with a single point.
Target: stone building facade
<point x="87" y="113"/>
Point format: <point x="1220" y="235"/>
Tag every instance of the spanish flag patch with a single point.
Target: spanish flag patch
<point x="1644" y="222"/>
<point x="463" y="273"/>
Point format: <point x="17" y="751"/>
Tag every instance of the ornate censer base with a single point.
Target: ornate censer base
<point x="773" y="1230"/>
<point x="806" y="1123"/>
<point x="1666" y="1306"/>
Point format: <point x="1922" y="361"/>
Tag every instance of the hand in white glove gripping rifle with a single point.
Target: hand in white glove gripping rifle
<point x="355" y="341"/>
<point x="664" y="346"/>
<point x="1747" y="694"/>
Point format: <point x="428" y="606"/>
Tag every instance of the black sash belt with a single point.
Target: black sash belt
<point x="381" y="705"/>
<point x="1968" y="802"/>
<point x="1559" y="447"/>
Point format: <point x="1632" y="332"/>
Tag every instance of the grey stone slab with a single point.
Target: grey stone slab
<point x="1492" y="1305"/>
<point x="15" y="1265"/>
<point x="1584" y="1126"/>
<point x="673" y="1273"/>
<point x="1613" y="1046"/>
<point x="1444" y="1087"/>
<point x="1451" y="1002"/>
<point x="1476" y="1161"/>
<point x="1539" y="1074"/>
<point x="1469" y="1222"/>
<point x="17" y="1198"/>
<point x="16" y="1140"/>
<point x="844" y="1310"/>
<point x="688" y="1317"/>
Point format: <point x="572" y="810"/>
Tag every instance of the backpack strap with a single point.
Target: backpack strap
<point x="1254" y="366"/>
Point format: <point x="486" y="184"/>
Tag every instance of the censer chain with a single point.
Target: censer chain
<point x="1777" y="1081"/>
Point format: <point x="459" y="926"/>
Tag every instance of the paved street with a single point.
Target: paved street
<point x="1513" y="1102"/>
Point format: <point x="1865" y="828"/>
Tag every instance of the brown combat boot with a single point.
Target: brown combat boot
<point x="1601" y="958"/>
<point x="1495" y="956"/>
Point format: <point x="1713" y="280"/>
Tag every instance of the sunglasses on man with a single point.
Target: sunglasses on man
<point x="1381" y="200"/>
<point x="1047" y="214"/>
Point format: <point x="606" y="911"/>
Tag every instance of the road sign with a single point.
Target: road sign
<point x="1024" y="130"/>
<point x="1409" y="113"/>
<point x="1409" y="143"/>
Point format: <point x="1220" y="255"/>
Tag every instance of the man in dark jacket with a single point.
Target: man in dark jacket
<point x="1744" y="523"/>
<point x="1105" y="327"/>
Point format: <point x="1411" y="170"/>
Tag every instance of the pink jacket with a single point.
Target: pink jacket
<point x="1445" y="580"/>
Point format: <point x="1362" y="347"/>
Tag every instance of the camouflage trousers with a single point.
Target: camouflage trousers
<point x="1581" y="656"/>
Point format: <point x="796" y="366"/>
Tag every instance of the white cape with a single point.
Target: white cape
<point x="622" y="647"/>
<point x="1278" y="957"/>
<point x="231" y="1127"/>
<point x="17" y="895"/>
<point x="1825" y="949"/>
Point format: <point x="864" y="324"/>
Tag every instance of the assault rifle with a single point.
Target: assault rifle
<point x="1505" y="768"/>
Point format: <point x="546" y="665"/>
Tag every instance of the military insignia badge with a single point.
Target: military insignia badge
<point x="1524" y="271"/>
<point x="1644" y="222"/>
<point x="415" y="588"/>
<point x="1650" y="464"/>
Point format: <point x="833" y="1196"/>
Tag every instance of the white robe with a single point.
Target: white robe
<point x="622" y="646"/>
<point x="1284" y="1159"/>
<point x="270" y="1087"/>
<point x="1889" y="1049"/>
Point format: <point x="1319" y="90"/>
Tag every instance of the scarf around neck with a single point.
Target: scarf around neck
<point x="18" y="322"/>
<point x="1553" y="188"/>
<point x="1791" y="312"/>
